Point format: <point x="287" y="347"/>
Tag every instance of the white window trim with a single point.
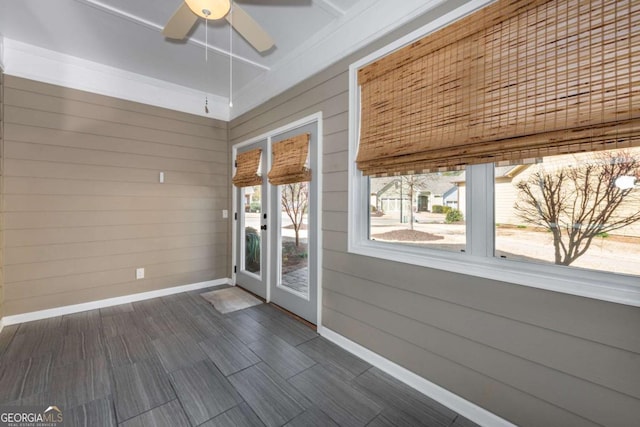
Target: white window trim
<point x="479" y="260"/>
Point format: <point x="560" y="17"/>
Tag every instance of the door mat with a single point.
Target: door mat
<point x="230" y="299"/>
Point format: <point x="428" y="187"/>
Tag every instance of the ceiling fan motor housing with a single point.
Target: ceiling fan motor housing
<point x="209" y="9"/>
<point x="186" y="17"/>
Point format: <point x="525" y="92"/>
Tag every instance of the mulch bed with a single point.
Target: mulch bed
<point x="407" y="236"/>
<point x="293" y="258"/>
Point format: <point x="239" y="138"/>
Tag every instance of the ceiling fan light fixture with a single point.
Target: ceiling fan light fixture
<point x="216" y="8"/>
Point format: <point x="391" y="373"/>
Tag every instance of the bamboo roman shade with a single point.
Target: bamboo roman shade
<point x="289" y="161"/>
<point x="247" y="165"/>
<point x="516" y="80"/>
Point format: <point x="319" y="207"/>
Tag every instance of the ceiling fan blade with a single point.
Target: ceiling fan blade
<point x="250" y="29"/>
<point x="180" y="23"/>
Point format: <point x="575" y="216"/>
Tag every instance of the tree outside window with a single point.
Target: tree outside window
<point x="580" y="203"/>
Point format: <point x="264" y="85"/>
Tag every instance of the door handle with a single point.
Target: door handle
<point x="263" y="227"/>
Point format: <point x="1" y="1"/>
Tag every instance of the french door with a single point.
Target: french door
<point x="276" y="243"/>
<point x="251" y="229"/>
<point x="293" y="273"/>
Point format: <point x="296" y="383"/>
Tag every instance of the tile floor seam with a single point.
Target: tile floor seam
<point x="118" y="422"/>
<point x="177" y="315"/>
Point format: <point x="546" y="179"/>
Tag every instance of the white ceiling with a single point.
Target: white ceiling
<point x="124" y="37"/>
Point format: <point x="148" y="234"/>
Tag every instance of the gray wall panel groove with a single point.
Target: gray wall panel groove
<point x="335" y="142"/>
<point x="129" y="247"/>
<point x="40" y="102"/>
<point x="78" y="171"/>
<point x="62" y="121"/>
<point x="528" y="305"/>
<point x="84" y="204"/>
<point x="334" y="241"/>
<point x="104" y="203"/>
<point x="30" y="151"/>
<point x="50" y="286"/>
<point x="79" y="291"/>
<point x="336" y="162"/>
<point x="26" y="271"/>
<point x="32" y="220"/>
<point x="520" y="407"/>
<point x="318" y="94"/>
<point x="2" y="173"/>
<point x="63" y="138"/>
<point x="574" y="356"/>
<point x="51" y="236"/>
<point x="110" y="102"/>
<point x="48" y="186"/>
<point x="568" y="392"/>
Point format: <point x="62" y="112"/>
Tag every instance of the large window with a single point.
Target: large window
<point x="579" y="210"/>
<point x="505" y="145"/>
<point x="568" y="223"/>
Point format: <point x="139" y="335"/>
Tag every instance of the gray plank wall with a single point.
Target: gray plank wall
<point x="83" y="206"/>
<point x="534" y="357"/>
<point x="1" y="191"/>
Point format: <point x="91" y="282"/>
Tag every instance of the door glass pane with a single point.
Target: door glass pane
<point x="294" y="260"/>
<point x="252" y="203"/>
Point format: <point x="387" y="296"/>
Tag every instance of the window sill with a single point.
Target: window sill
<point x="611" y="287"/>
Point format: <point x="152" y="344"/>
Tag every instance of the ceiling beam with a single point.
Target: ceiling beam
<point x="328" y="6"/>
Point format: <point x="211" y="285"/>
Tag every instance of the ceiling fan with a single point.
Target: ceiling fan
<point x="187" y="15"/>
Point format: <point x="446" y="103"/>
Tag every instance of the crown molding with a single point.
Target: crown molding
<point x="44" y="65"/>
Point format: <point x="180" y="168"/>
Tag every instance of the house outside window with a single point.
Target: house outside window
<point x="419" y="210"/>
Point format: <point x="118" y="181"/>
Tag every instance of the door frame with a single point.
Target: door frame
<point x="252" y="281"/>
<point x="317" y="151"/>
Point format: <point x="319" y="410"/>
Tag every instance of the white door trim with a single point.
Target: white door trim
<point x="316" y="117"/>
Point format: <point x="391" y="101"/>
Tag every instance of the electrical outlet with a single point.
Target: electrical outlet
<point x="139" y="273"/>
<point x="225" y="213"/>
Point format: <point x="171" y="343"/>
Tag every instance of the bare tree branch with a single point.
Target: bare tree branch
<point x="295" y="201"/>
<point x="579" y="203"/>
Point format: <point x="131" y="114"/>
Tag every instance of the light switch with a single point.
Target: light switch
<point x="161" y="177"/>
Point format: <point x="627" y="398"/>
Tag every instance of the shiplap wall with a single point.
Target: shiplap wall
<point x="534" y="357"/>
<point x="83" y="206"/>
<point x="1" y="193"/>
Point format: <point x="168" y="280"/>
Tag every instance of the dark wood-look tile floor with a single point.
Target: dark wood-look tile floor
<point x="176" y="361"/>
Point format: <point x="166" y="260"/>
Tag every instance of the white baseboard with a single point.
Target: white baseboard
<point x="452" y="401"/>
<point x="76" y="308"/>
